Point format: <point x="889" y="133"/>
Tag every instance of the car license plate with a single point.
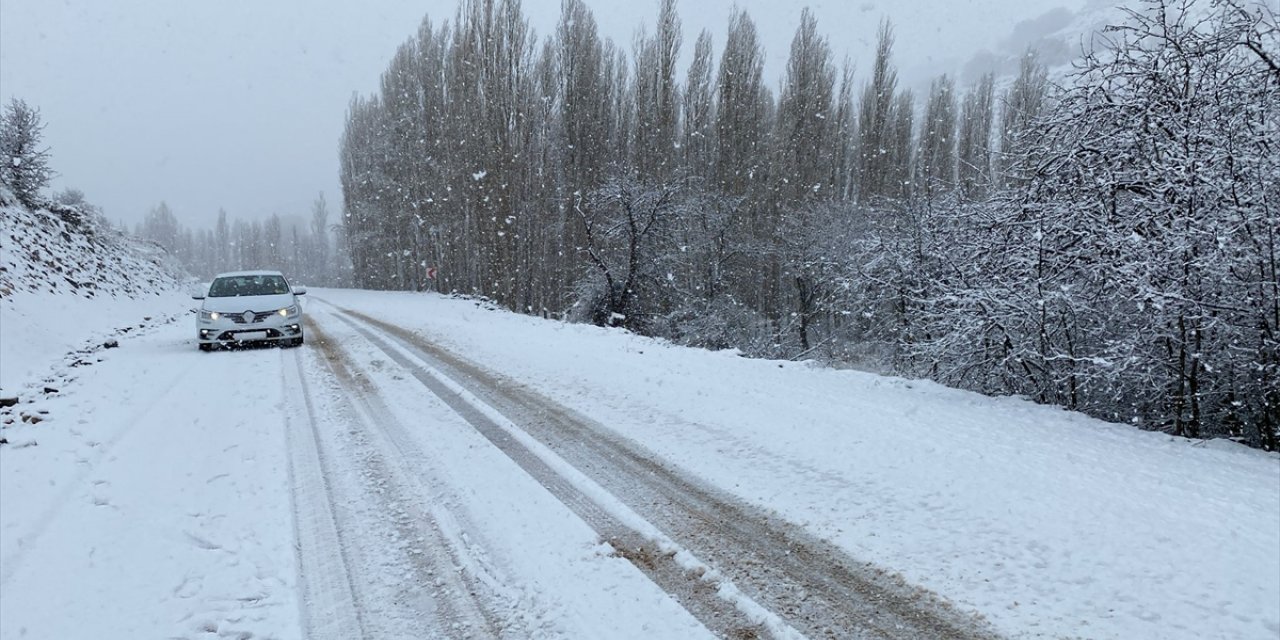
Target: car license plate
<point x="251" y="335"/>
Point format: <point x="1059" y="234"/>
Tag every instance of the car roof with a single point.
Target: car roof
<point x="233" y="274"/>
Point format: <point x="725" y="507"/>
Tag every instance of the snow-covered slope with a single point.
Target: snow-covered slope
<point x="66" y="279"/>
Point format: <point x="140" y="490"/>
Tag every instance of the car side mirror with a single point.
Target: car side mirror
<point x="299" y="290"/>
<point x="197" y="296"/>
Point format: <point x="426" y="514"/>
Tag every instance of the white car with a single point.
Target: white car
<point x="249" y="306"/>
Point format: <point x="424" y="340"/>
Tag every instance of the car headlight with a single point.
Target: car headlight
<point x="291" y="310"/>
<point x="209" y="315"/>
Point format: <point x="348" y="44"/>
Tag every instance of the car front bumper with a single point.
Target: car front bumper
<point x="225" y="332"/>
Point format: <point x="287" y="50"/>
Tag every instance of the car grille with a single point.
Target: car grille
<point x="258" y="316"/>
<point x="231" y="335"/>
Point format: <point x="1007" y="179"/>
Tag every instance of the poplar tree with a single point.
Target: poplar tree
<point x="876" y="124"/>
<point x="1021" y="104"/>
<point x="802" y="155"/>
<point x="741" y="109"/>
<point x="935" y="171"/>
<point x="973" y="152"/>
<point x="698" y="134"/>
<point x="656" y="95"/>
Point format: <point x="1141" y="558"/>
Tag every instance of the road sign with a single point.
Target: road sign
<point x="431" y="273"/>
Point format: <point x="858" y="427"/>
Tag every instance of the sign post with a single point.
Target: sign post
<point x="430" y="283"/>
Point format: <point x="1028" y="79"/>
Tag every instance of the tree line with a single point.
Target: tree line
<point x="311" y="251"/>
<point x="308" y="250"/>
<point x="1106" y="242"/>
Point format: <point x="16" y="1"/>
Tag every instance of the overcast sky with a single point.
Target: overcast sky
<point x="239" y="104"/>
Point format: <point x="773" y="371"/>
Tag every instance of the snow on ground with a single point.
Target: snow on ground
<point x="141" y="504"/>
<point x="37" y="331"/>
<point x="63" y="285"/>
<point x="153" y="500"/>
<point x="152" y="494"/>
<point x="147" y="505"/>
<point x="1049" y="523"/>
<point x="553" y="576"/>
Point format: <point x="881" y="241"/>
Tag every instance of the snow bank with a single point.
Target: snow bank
<point x="65" y="280"/>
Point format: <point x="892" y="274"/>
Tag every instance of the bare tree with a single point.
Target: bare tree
<point x="626" y="225"/>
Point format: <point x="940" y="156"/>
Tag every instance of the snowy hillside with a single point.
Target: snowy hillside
<point x="66" y="278"/>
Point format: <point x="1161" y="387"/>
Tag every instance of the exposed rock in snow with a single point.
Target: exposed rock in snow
<point x="66" y="276"/>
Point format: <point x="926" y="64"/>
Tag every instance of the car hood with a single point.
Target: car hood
<point x="240" y="304"/>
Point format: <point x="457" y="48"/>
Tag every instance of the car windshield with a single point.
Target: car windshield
<point x="232" y="286"/>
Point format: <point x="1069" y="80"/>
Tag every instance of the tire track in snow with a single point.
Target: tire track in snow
<point x="709" y="597"/>
<point x="803" y="581"/>
<point x="328" y="599"/>
<point x="458" y="578"/>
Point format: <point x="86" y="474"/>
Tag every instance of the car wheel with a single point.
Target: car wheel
<point x="204" y="346"/>
<point x="297" y="342"/>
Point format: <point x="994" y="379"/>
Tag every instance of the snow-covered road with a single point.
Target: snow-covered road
<point x="267" y="493"/>
<point x="443" y="534"/>
<point x="430" y="467"/>
<point x="766" y="578"/>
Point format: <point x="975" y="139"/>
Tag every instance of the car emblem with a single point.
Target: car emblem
<point x="248" y="317"/>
